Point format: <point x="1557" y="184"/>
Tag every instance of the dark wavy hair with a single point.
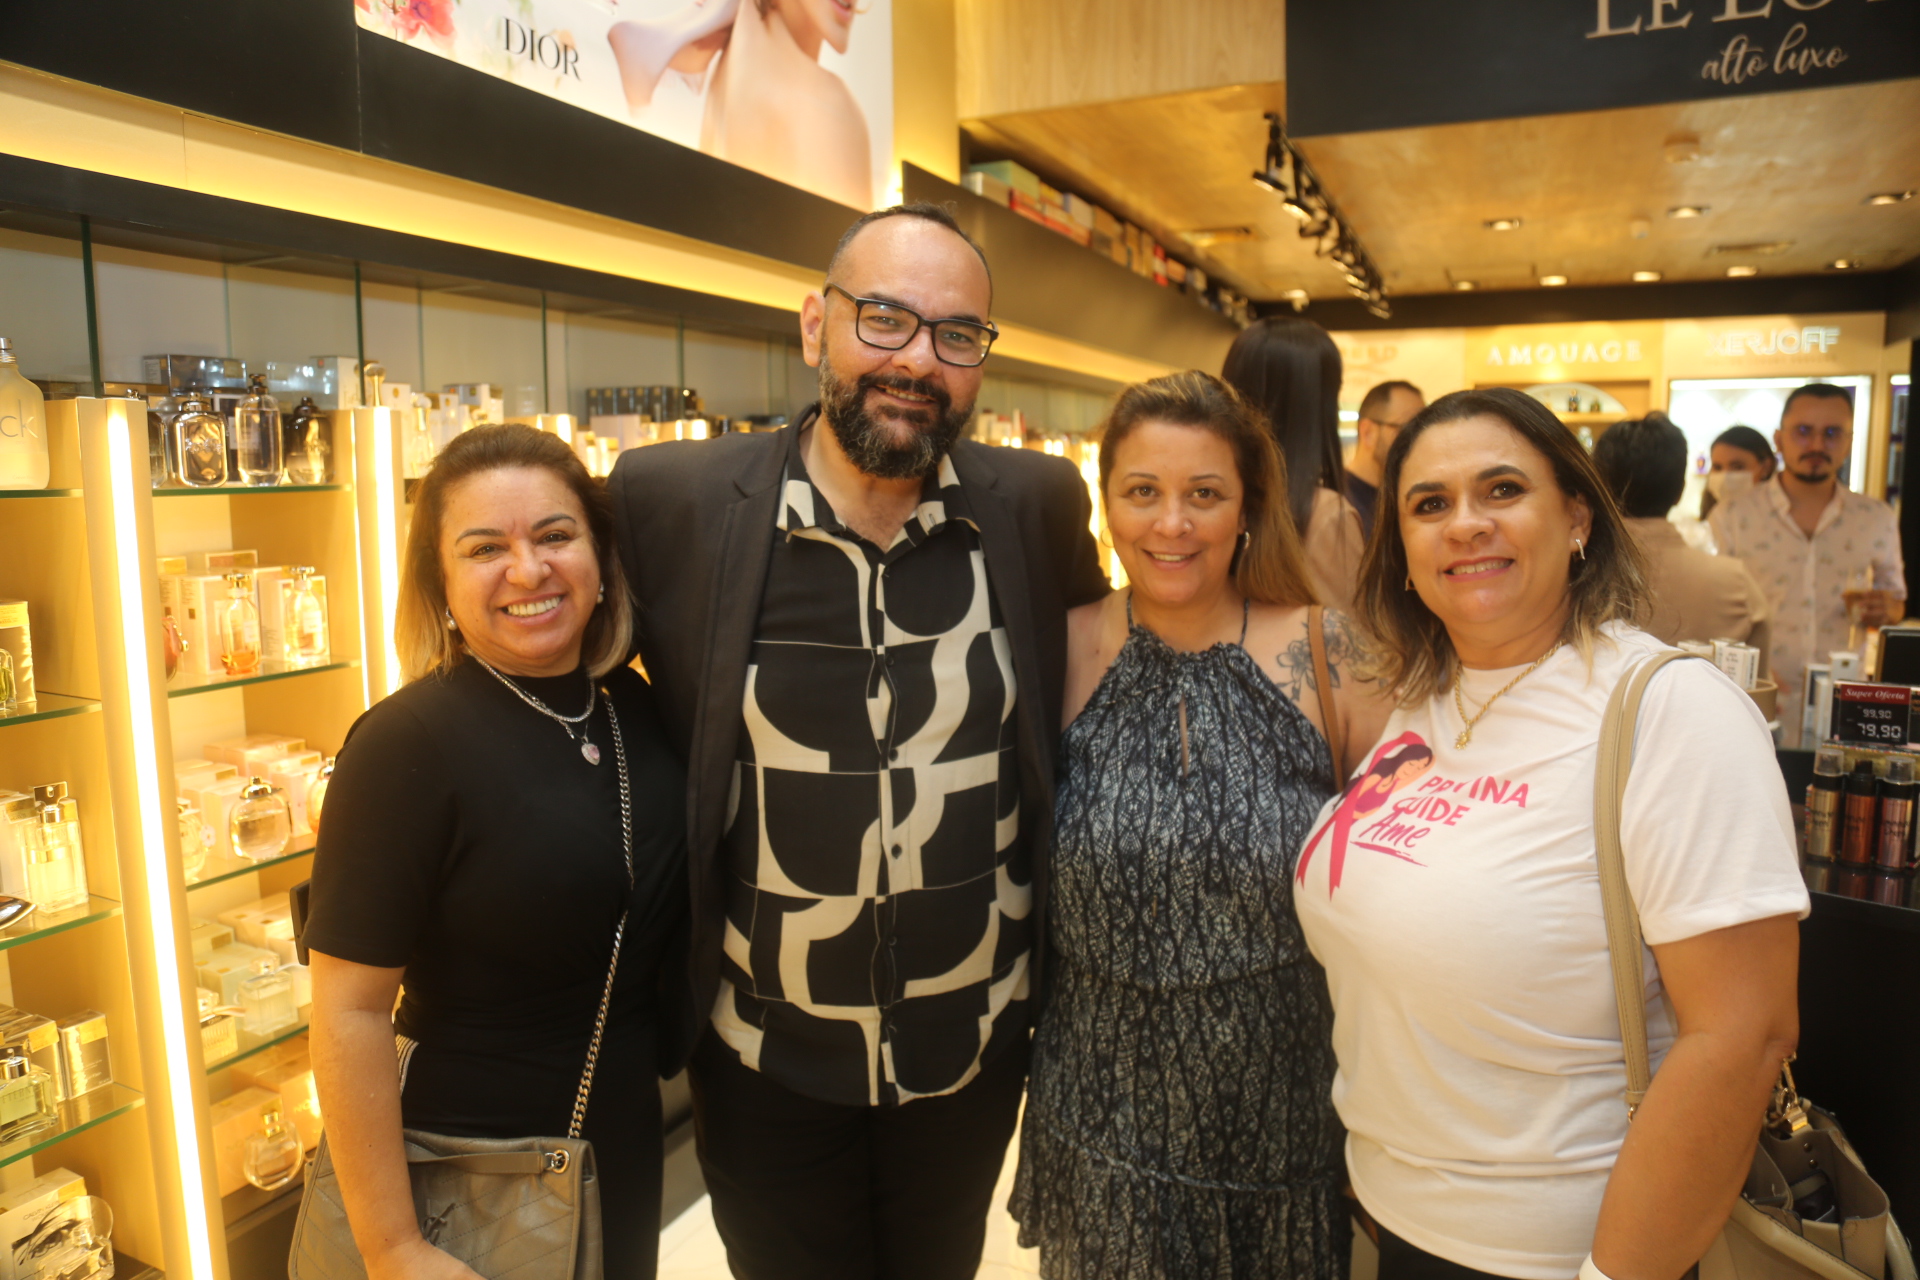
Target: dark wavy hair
<point x="1415" y="657"/>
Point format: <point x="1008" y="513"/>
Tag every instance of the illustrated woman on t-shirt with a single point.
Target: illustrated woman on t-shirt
<point x="1395" y="764"/>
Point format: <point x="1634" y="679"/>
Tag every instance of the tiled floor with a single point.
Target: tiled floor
<point x="690" y="1248"/>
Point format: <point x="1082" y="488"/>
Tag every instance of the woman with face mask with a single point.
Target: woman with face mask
<point x="1741" y="458"/>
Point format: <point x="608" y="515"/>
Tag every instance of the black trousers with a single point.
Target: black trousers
<point x="809" y="1190"/>
<point x="1402" y="1261"/>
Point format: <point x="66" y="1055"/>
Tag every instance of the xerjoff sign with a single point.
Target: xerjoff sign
<point x="1356" y="65"/>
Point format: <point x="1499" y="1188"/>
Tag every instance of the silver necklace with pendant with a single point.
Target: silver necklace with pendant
<point x="587" y="749"/>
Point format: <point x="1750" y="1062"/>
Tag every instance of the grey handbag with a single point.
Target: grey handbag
<point x="1800" y="1147"/>
<point x="510" y="1208"/>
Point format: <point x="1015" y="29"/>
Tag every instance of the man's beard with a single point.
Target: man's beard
<point x="866" y="437"/>
<point x="1812" y="469"/>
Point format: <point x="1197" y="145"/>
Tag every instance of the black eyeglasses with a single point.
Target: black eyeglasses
<point x="890" y="326"/>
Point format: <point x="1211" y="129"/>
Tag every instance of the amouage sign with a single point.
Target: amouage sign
<point x="1550" y="56"/>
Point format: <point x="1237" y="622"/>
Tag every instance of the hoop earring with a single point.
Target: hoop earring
<point x="1581" y="547"/>
<point x="451" y="624"/>
<point x="1246" y="539"/>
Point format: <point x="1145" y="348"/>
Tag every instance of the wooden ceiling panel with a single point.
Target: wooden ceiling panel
<point x="1592" y="189"/>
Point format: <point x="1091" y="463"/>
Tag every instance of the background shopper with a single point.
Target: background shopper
<point x="1383" y="411"/>
<point x="1289" y="369"/>
<point x="860" y="638"/>
<point x="1481" y="1073"/>
<point x="1694" y="595"/>
<point x="1739" y="459"/>
<point x="1178" y="1121"/>
<point x="473" y="849"/>
<point x="1828" y="558"/>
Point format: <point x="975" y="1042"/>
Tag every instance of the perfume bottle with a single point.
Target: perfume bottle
<point x="219" y="1033"/>
<point x="26" y="1094"/>
<point x="266" y="999"/>
<point x="273" y="1153"/>
<point x="307" y="447"/>
<point x="23" y="427"/>
<point x="307" y="622"/>
<point x="196" y="840"/>
<point x="240" y="627"/>
<point x="9" y="691"/>
<point x="159" y="465"/>
<point x="260" y="824"/>
<point x="317" y="794"/>
<point x="56" y="858"/>
<point x="173" y="645"/>
<point x="82" y="1247"/>
<point x="256" y="434"/>
<point x="199" y="443"/>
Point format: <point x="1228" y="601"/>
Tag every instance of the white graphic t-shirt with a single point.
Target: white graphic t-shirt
<point x="1452" y="894"/>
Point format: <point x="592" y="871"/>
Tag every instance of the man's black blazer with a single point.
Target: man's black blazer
<point x="695" y="522"/>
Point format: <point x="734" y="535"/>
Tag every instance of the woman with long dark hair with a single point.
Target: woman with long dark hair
<point x="1289" y="369"/>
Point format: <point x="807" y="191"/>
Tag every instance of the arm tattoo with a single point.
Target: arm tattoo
<point x="1296" y="660"/>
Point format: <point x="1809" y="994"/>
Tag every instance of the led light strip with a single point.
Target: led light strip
<point x="175" y="1028"/>
<point x="387" y="541"/>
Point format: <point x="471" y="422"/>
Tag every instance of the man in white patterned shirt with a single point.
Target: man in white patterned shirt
<point x="1814" y="544"/>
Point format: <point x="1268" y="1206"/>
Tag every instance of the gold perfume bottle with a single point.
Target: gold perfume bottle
<point x="27" y="1103"/>
<point x="306" y="625"/>
<point x="240" y="627"/>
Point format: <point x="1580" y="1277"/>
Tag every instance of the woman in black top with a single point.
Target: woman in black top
<point x="472" y="847"/>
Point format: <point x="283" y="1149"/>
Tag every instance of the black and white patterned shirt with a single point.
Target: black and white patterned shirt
<point x="878" y="895"/>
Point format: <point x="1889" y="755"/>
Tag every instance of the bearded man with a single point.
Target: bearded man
<point x="857" y="630"/>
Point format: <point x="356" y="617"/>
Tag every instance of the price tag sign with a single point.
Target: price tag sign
<point x="1878" y="715"/>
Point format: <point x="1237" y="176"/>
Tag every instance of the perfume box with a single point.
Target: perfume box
<point x="293" y="774"/>
<point x="236" y="1119"/>
<point x="219" y="1032"/>
<point x="276" y="614"/>
<point x="17" y="639"/>
<point x="215" y="802"/>
<point x="252" y="753"/>
<point x="38" y="1036"/>
<point x="220" y="562"/>
<point x="34" y="1219"/>
<point x="196" y="600"/>
<point x="267" y="923"/>
<point x="224" y="970"/>
<point x="292" y="1078"/>
<point x="207" y="937"/>
<point x="17" y="818"/>
<point x="86" y="1062"/>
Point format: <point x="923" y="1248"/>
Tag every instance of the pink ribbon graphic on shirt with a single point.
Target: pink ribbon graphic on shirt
<point x="1395" y="764"/>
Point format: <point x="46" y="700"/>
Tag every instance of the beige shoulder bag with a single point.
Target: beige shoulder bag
<point x="526" y="1208"/>
<point x="1802" y="1158"/>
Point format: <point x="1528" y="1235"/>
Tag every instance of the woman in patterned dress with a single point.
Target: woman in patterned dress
<point x="1178" y="1122"/>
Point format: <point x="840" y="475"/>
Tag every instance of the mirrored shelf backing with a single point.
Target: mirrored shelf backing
<point x="48" y="706"/>
<point x="44" y="924"/>
<point x="77" y="1115"/>
<point x="38" y="493"/>
<point x="221" y="867"/>
<point x="229" y="490"/>
<point x="251" y="1044"/>
<point x="207" y="684"/>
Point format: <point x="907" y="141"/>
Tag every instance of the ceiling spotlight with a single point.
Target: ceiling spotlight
<point x="1844" y="264"/>
<point x="1890" y="197"/>
<point x="1742" y="271"/>
<point x="1466" y="286"/>
<point x="1687" y="210"/>
<point x="1298" y="297"/>
<point x="1502" y="224"/>
<point x="1553" y="282"/>
<point x="1645" y="277"/>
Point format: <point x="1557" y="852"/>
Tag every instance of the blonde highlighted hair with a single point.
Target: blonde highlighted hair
<point x="1271" y="567"/>
<point x="420" y="633"/>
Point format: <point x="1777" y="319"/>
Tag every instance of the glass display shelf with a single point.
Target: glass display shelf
<point x="77" y="1115"/>
<point x="226" y="866"/>
<point x="48" y="706"/>
<point x="207" y="684"/>
<point x="38" y="493"/>
<point x="44" y="924"/>
<point x="228" y="490"/>
<point x="251" y="1044"/>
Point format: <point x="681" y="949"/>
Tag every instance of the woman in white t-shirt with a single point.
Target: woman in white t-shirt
<point x="1454" y="899"/>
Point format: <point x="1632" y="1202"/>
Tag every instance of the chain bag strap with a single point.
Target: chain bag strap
<point x="1323" y="680"/>
<point x="1800" y="1146"/>
<point x="526" y="1208"/>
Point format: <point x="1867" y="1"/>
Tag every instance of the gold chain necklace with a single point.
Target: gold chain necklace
<point x="1466" y="734"/>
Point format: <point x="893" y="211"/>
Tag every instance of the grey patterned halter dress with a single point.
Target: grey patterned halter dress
<point x="1179" y="1123"/>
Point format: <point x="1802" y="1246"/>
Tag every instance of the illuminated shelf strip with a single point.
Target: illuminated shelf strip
<point x="212" y="683"/>
<point x="44" y="924"/>
<point x="251" y="1044"/>
<point x="49" y="706"/>
<point x="227" y="867"/>
<point x="77" y="1115"/>
<point x="228" y="490"/>
<point x="38" y="493"/>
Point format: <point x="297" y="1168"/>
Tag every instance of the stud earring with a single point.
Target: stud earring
<point x="602" y="597"/>
<point x="1409" y="582"/>
<point x="451" y="624"/>
<point x="1246" y="539"/>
